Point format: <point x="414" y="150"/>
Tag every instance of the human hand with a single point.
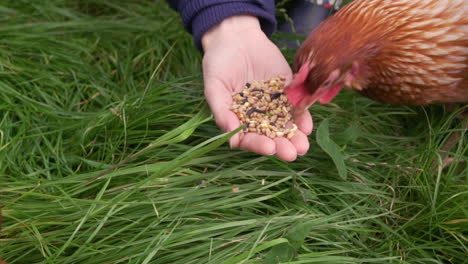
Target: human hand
<point x="237" y="51"/>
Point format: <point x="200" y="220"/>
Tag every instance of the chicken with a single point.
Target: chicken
<point x="393" y="51"/>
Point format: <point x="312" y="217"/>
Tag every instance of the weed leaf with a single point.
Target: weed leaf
<point x="331" y="148"/>
<point x="287" y="252"/>
<point x="350" y="135"/>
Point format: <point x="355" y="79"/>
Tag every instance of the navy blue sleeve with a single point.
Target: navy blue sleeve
<point x="199" y="16"/>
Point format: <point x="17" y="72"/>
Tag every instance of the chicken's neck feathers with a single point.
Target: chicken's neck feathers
<point x="397" y="43"/>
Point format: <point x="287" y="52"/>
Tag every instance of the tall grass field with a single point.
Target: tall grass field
<point x="109" y="154"/>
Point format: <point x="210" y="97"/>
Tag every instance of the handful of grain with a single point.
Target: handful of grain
<point x="263" y="108"/>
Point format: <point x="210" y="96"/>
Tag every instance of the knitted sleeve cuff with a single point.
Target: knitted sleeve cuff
<point x="200" y="15"/>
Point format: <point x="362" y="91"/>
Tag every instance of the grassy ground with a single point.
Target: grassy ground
<point x="87" y="85"/>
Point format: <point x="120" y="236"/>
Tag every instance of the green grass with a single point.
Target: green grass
<point x="108" y="154"/>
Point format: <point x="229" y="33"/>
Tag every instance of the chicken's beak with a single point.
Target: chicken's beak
<point x="323" y="95"/>
<point x="301" y="99"/>
<point x="327" y="94"/>
<point x="305" y="103"/>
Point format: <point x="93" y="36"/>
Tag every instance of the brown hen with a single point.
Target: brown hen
<point x="394" y="51"/>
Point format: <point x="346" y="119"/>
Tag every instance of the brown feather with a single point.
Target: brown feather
<point x="409" y="52"/>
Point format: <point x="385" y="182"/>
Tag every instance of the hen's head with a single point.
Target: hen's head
<point x="328" y="60"/>
<point x="314" y="83"/>
<point x="319" y="77"/>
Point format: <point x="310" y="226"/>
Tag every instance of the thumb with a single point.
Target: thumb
<point x="219" y="99"/>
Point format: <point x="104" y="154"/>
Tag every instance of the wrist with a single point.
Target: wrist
<point x="234" y="25"/>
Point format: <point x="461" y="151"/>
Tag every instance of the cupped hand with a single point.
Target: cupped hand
<point x="237" y="51"/>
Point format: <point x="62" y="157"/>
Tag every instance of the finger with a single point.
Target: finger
<point x="300" y="142"/>
<point x="285" y="150"/>
<point x="304" y="121"/>
<point x="259" y="144"/>
<point x="228" y="123"/>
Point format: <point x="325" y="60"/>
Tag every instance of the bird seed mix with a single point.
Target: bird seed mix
<point x="264" y="109"/>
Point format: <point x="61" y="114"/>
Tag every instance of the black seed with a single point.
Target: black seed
<point x="257" y="90"/>
<point x="275" y="95"/>
<point x="272" y="124"/>
<point x="247" y="85"/>
<point x="241" y="94"/>
<point x="254" y="110"/>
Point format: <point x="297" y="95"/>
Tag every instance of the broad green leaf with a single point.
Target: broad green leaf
<point x="350" y="135"/>
<point x="297" y="234"/>
<point x="287" y="252"/>
<point x="331" y="148"/>
<point x="280" y="254"/>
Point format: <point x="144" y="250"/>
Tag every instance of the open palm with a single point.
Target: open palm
<point x="230" y="62"/>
